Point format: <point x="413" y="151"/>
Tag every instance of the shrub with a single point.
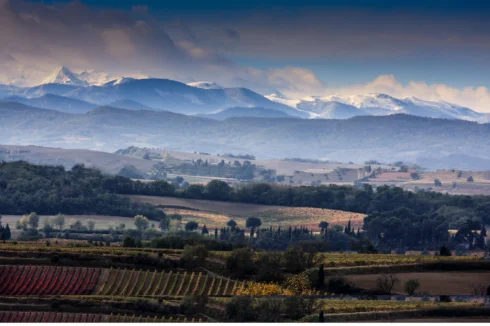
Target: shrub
<point x="240" y="309"/>
<point x="411" y="286"/>
<point x="240" y="262"/>
<point x="299" y="284"/>
<point x="269" y="267"/>
<point x="194" y="254"/>
<point x="194" y="304"/>
<point x="294" y="307"/>
<point x="386" y="282"/>
<point x="444" y="251"/>
<point x="269" y="310"/>
<point x="338" y="284"/>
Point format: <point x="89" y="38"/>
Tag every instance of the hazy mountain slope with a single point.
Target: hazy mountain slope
<point x="129" y="104"/>
<point x="55" y="102"/>
<point x="245" y="112"/>
<point x="107" y="162"/>
<point x="388" y="138"/>
<point x="330" y="110"/>
<point x="164" y="94"/>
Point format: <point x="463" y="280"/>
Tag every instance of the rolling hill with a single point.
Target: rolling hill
<point x="385" y="138"/>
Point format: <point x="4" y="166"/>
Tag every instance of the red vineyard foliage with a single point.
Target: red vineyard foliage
<point x="47" y="280"/>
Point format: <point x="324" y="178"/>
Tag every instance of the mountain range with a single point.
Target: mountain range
<point x="343" y="107"/>
<point x="66" y="91"/>
<point x="398" y="137"/>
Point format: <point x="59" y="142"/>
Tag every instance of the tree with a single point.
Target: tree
<point x="437" y="183"/>
<point x="323" y="226"/>
<point x="253" y="222"/>
<point x="444" y="251"/>
<point x="33" y="220"/>
<point x="0" y="219"/>
<point x="191" y="226"/>
<point x="59" y="221"/>
<point x="321" y="277"/>
<point x="411" y="286"/>
<point x="164" y="223"/>
<point x="6" y="233"/>
<point x="77" y="226"/>
<point x="91" y="225"/>
<point x="232" y="224"/>
<point x="469" y="179"/>
<point x="129" y="242"/>
<point x="321" y="318"/>
<point x="217" y="189"/>
<point x="141" y="222"/>
<point x="204" y="230"/>
<point x="386" y="282"/>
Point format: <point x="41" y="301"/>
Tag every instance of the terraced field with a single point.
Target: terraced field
<point x="60" y="317"/>
<point x="132" y="283"/>
<point x="48" y="280"/>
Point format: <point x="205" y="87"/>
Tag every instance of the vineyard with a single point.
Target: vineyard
<point x="59" y="317"/>
<point x="47" y="280"/>
<point x="132" y="283"/>
<point x="47" y="317"/>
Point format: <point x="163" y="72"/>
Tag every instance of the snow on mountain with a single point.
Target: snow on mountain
<point x="63" y="75"/>
<point x="280" y="98"/>
<point x="205" y="85"/>
<point x="118" y="81"/>
<point x="342" y="107"/>
<point x="93" y="77"/>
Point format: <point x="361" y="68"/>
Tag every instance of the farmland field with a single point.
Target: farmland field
<point x="216" y="213"/>
<point x="102" y="222"/>
<point x="339" y="259"/>
<point x="450" y="283"/>
<point x="355" y="259"/>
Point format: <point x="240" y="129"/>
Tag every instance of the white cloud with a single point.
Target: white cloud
<point x="37" y="38"/>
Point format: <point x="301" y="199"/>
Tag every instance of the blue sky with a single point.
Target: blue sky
<point x="433" y="49"/>
<point x="424" y="58"/>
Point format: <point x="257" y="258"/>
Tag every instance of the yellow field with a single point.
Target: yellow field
<point x="338" y="259"/>
<point x="204" y="212"/>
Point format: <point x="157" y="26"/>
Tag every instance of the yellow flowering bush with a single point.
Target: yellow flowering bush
<point x="256" y="289"/>
<point x="299" y="285"/>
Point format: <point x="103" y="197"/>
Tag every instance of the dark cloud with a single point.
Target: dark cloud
<point x="231" y="33"/>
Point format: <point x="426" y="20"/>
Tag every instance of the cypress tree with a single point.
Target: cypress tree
<point x="216" y="234"/>
<point x="321" y="277"/>
<point x="321" y="317"/>
<point x="7" y="233"/>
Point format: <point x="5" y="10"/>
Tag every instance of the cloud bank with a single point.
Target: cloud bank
<point x="36" y="38"/>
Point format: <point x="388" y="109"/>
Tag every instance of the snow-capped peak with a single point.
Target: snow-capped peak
<point x="377" y="104"/>
<point x="63" y="75"/>
<point x="205" y="85"/>
<point x="119" y="81"/>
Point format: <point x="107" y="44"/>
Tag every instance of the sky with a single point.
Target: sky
<point x="435" y="50"/>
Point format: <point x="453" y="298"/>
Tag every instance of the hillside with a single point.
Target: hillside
<point x="236" y="112"/>
<point x="388" y="138"/>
